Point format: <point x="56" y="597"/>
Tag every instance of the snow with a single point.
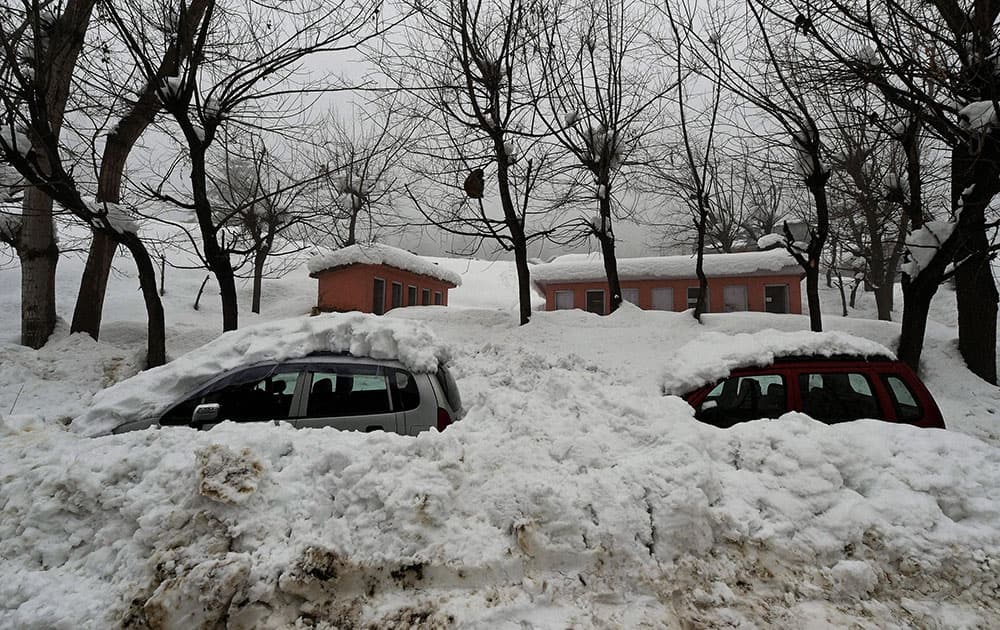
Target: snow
<point x="113" y="215"/>
<point x="573" y="493"/>
<point x="379" y="254"/>
<point x="978" y="115"/>
<point x="770" y="241"/>
<point x="590" y="267"/>
<point x="154" y="391"/>
<point x="923" y="244"/>
<point x="712" y="356"/>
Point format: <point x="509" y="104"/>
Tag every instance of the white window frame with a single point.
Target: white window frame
<point x="725" y="302"/>
<point x="668" y="305"/>
<point x="632" y="291"/>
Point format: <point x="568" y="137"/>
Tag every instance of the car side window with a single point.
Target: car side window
<point x="742" y="398"/>
<point x="348" y="390"/>
<point x="255" y="397"/>
<point x="833" y="397"/>
<point x="255" y="394"/>
<point x="907" y="407"/>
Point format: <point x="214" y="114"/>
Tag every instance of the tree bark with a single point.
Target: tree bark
<point x="884" y="297"/>
<point x="975" y="288"/>
<point x="917" y="296"/>
<point x="518" y="238"/>
<point x="812" y="299"/>
<point x="606" y="237"/>
<point x="39" y="255"/>
<point x="259" y="257"/>
<point x="156" y="345"/>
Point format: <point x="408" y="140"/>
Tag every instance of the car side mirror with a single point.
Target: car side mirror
<point x="707" y="411"/>
<point x="203" y="414"/>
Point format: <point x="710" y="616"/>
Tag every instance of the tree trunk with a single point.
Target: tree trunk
<point x="917" y="296"/>
<point x="259" y="258"/>
<point x="606" y="237"/>
<point x="699" y="264"/>
<point x="156" y="345"/>
<point x="515" y="225"/>
<point x="975" y="287"/>
<point x="39" y="255"/>
<point x="843" y="295"/>
<point x="812" y="298"/>
<point x="854" y="294"/>
<point x="93" y="285"/>
<point x="884" y="298"/>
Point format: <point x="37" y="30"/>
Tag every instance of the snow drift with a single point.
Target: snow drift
<point x="154" y="391"/>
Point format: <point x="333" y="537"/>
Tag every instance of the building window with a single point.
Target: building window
<point x="378" y="297"/>
<point x="734" y="298"/>
<point x="663" y="299"/>
<point x="564" y="300"/>
<point x="397" y="294"/>
<point x="776" y="298"/>
<point x="692" y="300"/>
<point x="425" y="297"/>
<point x="411" y="295"/>
<point x="438" y="299"/>
<point x="595" y="301"/>
<point x="631" y="296"/>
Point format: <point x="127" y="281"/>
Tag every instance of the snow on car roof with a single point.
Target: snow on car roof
<point x="154" y="391"/>
<point x="586" y="267"/>
<point x="712" y="356"/>
<point x="379" y="254"/>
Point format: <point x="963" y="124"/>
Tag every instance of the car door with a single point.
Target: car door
<point x="349" y="397"/>
<point x="261" y="393"/>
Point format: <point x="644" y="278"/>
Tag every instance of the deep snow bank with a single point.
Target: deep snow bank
<point x="712" y="356"/>
<point x="568" y="497"/>
<point x="153" y="391"/>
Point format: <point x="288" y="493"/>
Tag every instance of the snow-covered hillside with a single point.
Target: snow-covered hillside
<point x="572" y="495"/>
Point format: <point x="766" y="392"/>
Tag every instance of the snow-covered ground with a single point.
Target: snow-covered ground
<point x="572" y="495"/>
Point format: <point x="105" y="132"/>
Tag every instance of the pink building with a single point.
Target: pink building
<point x="376" y="278"/>
<point x="767" y="281"/>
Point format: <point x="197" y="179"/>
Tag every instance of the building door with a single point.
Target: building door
<point x="776" y="298"/>
<point x="378" y="298"/>
<point x="734" y="298"/>
<point x="397" y="294"/>
<point x="595" y="301"/>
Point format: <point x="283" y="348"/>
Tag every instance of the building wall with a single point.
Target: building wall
<point x="754" y="284"/>
<point x="352" y="288"/>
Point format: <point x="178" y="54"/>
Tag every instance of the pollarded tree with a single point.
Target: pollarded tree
<point x="260" y="207"/>
<point x="935" y="61"/>
<point x="602" y="101"/>
<point x="42" y="69"/>
<point x="464" y="65"/>
<point x="757" y="60"/>
<point x="359" y="162"/>
<point x="245" y="66"/>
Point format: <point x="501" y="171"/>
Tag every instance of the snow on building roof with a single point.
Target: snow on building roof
<point x="154" y="391"/>
<point x="712" y="356"/>
<point x="583" y="268"/>
<point x="379" y="254"/>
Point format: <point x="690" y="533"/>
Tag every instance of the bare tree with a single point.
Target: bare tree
<point x="933" y="60"/>
<point x="757" y="61"/>
<point x="601" y="101"/>
<point x="258" y="201"/>
<point x="464" y="65"/>
<point x="243" y="67"/>
<point x="360" y="162"/>
<point x="41" y="54"/>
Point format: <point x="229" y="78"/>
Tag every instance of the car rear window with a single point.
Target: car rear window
<point x="837" y="396"/>
<point x="905" y="402"/>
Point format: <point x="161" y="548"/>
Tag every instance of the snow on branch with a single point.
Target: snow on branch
<point x="923" y="244"/>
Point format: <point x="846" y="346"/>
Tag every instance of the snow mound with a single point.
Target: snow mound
<point x="712" y="356"/>
<point x="378" y="254"/>
<point x="153" y="391"/>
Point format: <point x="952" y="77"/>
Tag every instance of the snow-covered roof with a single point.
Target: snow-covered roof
<point x="587" y="267"/>
<point x="712" y="356"/>
<point x="154" y="391"/>
<point x="379" y="254"/>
